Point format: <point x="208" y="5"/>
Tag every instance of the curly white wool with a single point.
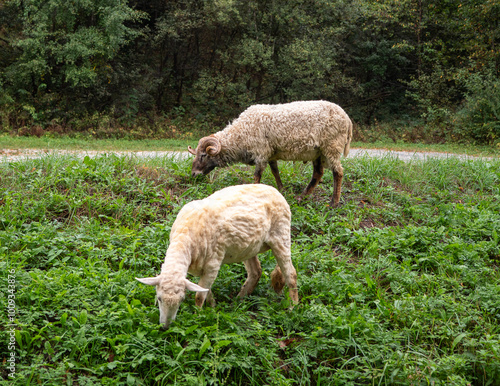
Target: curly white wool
<point x="232" y="225"/>
<point x="297" y="131"/>
<point x="317" y="131"/>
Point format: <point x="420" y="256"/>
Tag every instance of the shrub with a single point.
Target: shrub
<point x="479" y="116"/>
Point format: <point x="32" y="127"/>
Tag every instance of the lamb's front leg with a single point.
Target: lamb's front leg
<point x="206" y="280"/>
<point x="259" y="169"/>
<point x="254" y="271"/>
<point x="284" y="271"/>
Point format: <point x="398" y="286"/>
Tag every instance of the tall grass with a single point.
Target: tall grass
<point x="400" y="285"/>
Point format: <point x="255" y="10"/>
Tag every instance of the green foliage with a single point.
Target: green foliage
<point x="205" y="61"/>
<point x="433" y="96"/>
<point x="397" y="286"/>
<point x="479" y="117"/>
<point x="67" y="50"/>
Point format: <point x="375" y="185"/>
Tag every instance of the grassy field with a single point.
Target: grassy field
<point x="84" y="143"/>
<point x="68" y="143"/>
<point x="400" y="285"/>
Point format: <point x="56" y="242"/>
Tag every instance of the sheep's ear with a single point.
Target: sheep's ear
<point x="195" y="287"/>
<point x="149" y="280"/>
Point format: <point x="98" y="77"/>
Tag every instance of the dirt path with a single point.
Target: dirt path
<point x="10" y="155"/>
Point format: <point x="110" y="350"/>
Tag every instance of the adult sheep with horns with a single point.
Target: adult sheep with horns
<point x="317" y="131"/>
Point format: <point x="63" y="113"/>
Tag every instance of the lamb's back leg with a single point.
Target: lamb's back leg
<point x="333" y="161"/>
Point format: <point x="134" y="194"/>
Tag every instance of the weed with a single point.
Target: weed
<point x="399" y="285"/>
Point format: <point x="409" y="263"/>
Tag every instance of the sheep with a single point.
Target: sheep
<point x="230" y="226"/>
<point x="317" y="131"/>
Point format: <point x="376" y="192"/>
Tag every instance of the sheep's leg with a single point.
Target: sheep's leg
<point x="316" y="177"/>
<point x="259" y="169"/>
<point x="210" y="299"/>
<point x="276" y="173"/>
<point x="277" y="279"/>
<point x="284" y="271"/>
<point x="206" y="281"/>
<point x="337" y="184"/>
<point x="254" y="271"/>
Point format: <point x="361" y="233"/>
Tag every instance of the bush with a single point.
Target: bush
<point x="479" y="116"/>
<point x="435" y="95"/>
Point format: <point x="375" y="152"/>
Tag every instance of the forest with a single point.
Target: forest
<point x="421" y="70"/>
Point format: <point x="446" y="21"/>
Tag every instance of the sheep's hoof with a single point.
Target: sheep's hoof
<point x="211" y="302"/>
<point x="292" y="303"/>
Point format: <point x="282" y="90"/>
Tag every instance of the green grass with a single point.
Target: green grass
<point x="400" y="285"/>
<point x="84" y="143"/>
<point x="473" y="150"/>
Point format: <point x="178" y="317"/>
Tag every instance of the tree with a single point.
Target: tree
<point x="67" y="52"/>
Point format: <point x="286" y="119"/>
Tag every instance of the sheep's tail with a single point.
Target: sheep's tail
<point x="347" y="146"/>
<point x="277" y="279"/>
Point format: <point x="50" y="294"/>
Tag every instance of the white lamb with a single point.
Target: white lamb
<point x="230" y="226"/>
<point x="316" y="131"/>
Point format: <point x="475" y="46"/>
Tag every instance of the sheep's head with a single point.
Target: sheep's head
<point x="206" y="156"/>
<point x="169" y="295"/>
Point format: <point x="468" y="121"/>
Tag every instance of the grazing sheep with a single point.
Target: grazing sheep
<point x="232" y="225"/>
<point x="316" y="131"/>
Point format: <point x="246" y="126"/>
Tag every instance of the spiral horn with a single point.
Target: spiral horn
<point x="211" y="145"/>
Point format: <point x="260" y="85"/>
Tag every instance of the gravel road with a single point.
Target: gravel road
<point x="10" y="155"/>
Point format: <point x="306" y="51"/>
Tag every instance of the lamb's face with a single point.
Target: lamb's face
<point x="169" y="296"/>
<point x="170" y="292"/>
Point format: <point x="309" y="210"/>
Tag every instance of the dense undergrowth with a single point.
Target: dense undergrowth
<point x="400" y="285"/>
